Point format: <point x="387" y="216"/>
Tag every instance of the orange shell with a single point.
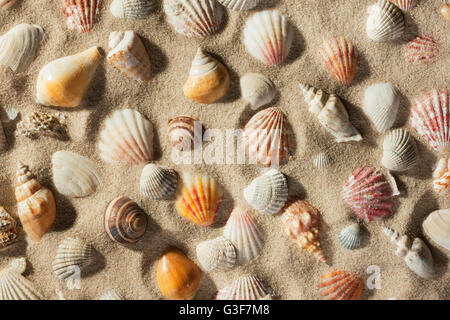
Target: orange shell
<point x="341" y="285"/>
<point x="81" y="14"/>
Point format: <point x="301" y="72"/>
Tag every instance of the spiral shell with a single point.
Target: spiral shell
<point x="13" y="286"/>
<point x="132" y="9"/>
<point x="404" y="4"/>
<point x="441" y="177"/>
<point x="158" y="183"/>
<point x="323" y="160"/>
<point x="257" y="90"/>
<point x="437" y="227"/>
<point x="185" y="133"/>
<point x="112" y="294"/>
<point x="72" y="257"/>
<point x="351" y="237"/>
<point x="217" y="254"/>
<point x="341" y="285"/>
<point x="81" y="14"/>
<point x="7" y="4"/>
<point x="385" y="22"/>
<point x="399" y="150"/>
<point x="8" y="229"/>
<point x="244" y="288"/>
<point x="240" y="5"/>
<point x="421" y="50"/>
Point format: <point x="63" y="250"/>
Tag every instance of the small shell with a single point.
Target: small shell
<point x="7" y="4"/>
<point x="323" y="160"/>
<point x="441" y="177"/>
<point x="39" y="123"/>
<point x="72" y="257"/>
<point x="81" y="14"/>
<point x="132" y="9"/>
<point x="437" y="227"/>
<point x="421" y="50"/>
<point x="341" y="285"/>
<point x="185" y="133"/>
<point x="158" y="183"/>
<point x="8" y="229"/>
<point x="404" y="4"/>
<point x="13" y="286"/>
<point x="267" y="193"/>
<point x="268" y="37"/>
<point x="385" y="22"/>
<point x="240" y="5"/>
<point x="244" y="234"/>
<point x="217" y="254"/>
<point x="445" y="11"/>
<point x="351" y="237"/>
<point x="112" y="294"/>
<point x="257" y="90"/>
<point x="244" y="288"/>
<point x="399" y="151"/>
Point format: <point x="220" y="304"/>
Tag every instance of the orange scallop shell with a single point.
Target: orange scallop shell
<point x="341" y="285"/>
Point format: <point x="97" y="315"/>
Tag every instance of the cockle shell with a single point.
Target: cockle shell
<point x="268" y="137"/>
<point x="437" y="227"/>
<point x="185" y="133"/>
<point x="323" y="160"/>
<point x="244" y="288"/>
<point x="430" y="118"/>
<point x="351" y="237"/>
<point x="39" y="123"/>
<point x="14" y="286"/>
<point x="72" y="257"/>
<point x="385" y="22"/>
<point x="240" y="5"/>
<point x="178" y="276"/>
<point x="341" y="285"/>
<point x="127" y="138"/>
<point x="421" y="50"/>
<point x="63" y="82"/>
<point x="268" y="37"/>
<point x="331" y="113"/>
<point x="112" y="294"/>
<point x="268" y="192"/>
<point x="128" y="54"/>
<point x="19" y="46"/>
<point x="368" y="194"/>
<point x="208" y="81"/>
<point x="441" y="177"/>
<point x="7" y="4"/>
<point x="199" y="199"/>
<point x="194" y="18"/>
<point x="158" y="183"/>
<point x="8" y="230"/>
<point x="399" y="150"/>
<point x="257" y="90"/>
<point x="132" y="9"/>
<point x="81" y="14"/>
<point x="445" y="11"/>
<point x="35" y="204"/>
<point x="74" y="175"/>
<point x="244" y="234"/>
<point x="404" y="4"/>
<point x="340" y="59"/>
<point x="217" y="254"/>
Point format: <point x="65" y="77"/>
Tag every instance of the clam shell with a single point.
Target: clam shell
<point x="421" y="50"/>
<point x="323" y="160"/>
<point x="81" y="14"/>
<point x="36" y="124"/>
<point x="404" y="4"/>
<point x="112" y="294"/>
<point x="132" y="9"/>
<point x="341" y="285"/>
<point x="185" y="133"/>
<point x="158" y="183"/>
<point x="240" y="5"/>
<point x="72" y="257"/>
<point x="8" y="229"/>
<point x="13" y="286"/>
<point x="217" y="254"/>
<point x="257" y="90"/>
<point x="351" y="237"/>
<point x="7" y="4"/>
<point x="268" y="37"/>
<point x="441" y="177"/>
<point x="244" y="288"/>
<point x="385" y="22"/>
<point x="445" y="11"/>
<point x="437" y="227"/>
<point x="399" y="150"/>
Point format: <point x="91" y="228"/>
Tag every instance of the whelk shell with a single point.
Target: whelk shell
<point x="323" y="160"/>
<point x="132" y="9"/>
<point x="81" y="14"/>
<point x="385" y="22"/>
<point x="437" y="227"/>
<point x="399" y="150"/>
<point x="341" y="285"/>
<point x="240" y="5"/>
<point x="404" y="4"/>
<point x="441" y="177"/>
<point x="158" y="183"/>
<point x="7" y="4"/>
<point x="351" y="237"/>
<point x="14" y="286"/>
<point x="421" y="50"/>
<point x="8" y="229"/>
<point x="112" y="294"/>
<point x="244" y="288"/>
<point x="72" y="257"/>
<point x="185" y="133"/>
<point x="39" y="123"/>
<point x="257" y="90"/>
<point x="217" y="254"/>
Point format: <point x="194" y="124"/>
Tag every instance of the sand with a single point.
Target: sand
<point x="283" y="266"/>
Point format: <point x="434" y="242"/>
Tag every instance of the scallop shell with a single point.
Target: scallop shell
<point x="341" y="285"/>
<point x="128" y="54"/>
<point x="194" y="18"/>
<point x="385" y="22"/>
<point x="63" y="82"/>
<point x="323" y="160"/>
<point x="421" y="50"/>
<point x="268" y="37"/>
<point x="72" y="257"/>
<point x="340" y="59"/>
<point x="208" y="81"/>
<point x="437" y="227"/>
<point x="74" y="175"/>
<point x="240" y="5"/>
<point x="268" y="192"/>
<point x="13" y="286"/>
<point x="381" y="101"/>
<point x="257" y="90"/>
<point x="267" y="137"/>
<point x="112" y="294"/>
<point x="199" y="199"/>
<point x="36" y="124"/>
<point x="331" y="112"/>
<point x="445" y="11"/>
<point x="404" y="4"/>
<point x="132" y="9"/>
<point x="244" y="234"/>
<point x="185" y="133"/>
<point x="368" y="194"/>
<point x="7" y="4"/>
<point x="8" y="230"/>
<point x="158" y="183"/>
<point x="125" y="222"/>
<point x="351" y="237"/>
<point x="19" y="46"/>
<point x="430" y="118"/>
<point x="127" y="138"/>
<point x="217" y="254"/>
<point x="441" y="177"/>
<point x="81" y="14"/>
<point x="244" y="288"/>
<point x="399" y="151"/>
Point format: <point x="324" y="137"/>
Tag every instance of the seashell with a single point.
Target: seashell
<point x="19" y="46"/>
<point x="74" y="175"/>
<point x="194" y="18"/>
<point x="421" y="50"/>
<point x="178" y="276"/>
<point x="341" y="285"/>
<point x="72" y="257"/>
<point x="185" y="133"/>
<point x="268" y="37"/>
<point x="14" y="286"/>
<point x="441" y="177"/>
<point x="257" y="90"/>
<point x="8" y="230"/>
<point x="244" y="288"/>
<point x="7" y="4"/>
<point x="63" y="82"/>
<point x="128" y="54"/>
<point x="199" y="199"/>
<point x="158" y="183"/>
<point x="268" y="192"/>
<point x="112" y="294"/>
<point x="351" y="237"/>
<point x="404" y="4"/>
<point x="437" y="227"/>
<point x="3" y="142"/>
<point x="208" y="81"/>
<point x="244" y="234"/>
<point x="240" y="5"/>
<point x="132" y="9"/>
<point x="381" y="101"/>
<point x="399" y="151"/>
<point x="368" y="194"/>
<point x="268" y="137"/>
<point x="323" y="160"/>
<point x="340" y="59"/>
<point x="385" y="22"/>
<point x="126" y="138"/>
<point x="445" y="11"/>
<point x="81" y="14"/>
<point x="331" y="112"/>
<point x="217" y="254"/>
<point x="35" y="204"/>
<point x="301" y="222"/>
<point x="39" y="123"/>
<point x="125" y="221"/>
<point x="429" y="117"/>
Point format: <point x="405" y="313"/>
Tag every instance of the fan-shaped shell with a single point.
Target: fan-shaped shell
<point x="8" y="229"/>
<point x="127" y="138"/>
<point x="341" y="285"/>
<point x="81" y="14"/>
<point x="399" y="150"/>
<point x="323" y="160"/>
<point x="445" y="11"/>
<point x="217" y="254"/>
<point x="158" y="183"/>
<point x="437" y="227"/>
<point x="257" y="89"/>
<point x="421" y="50"/>
<point x="185" y="133"/>
<point x="13" y="286"/>
<point x="385" y="22"/>
<point x="268" y="37"/>
<point x="244" y="288"/>
<point x="244" y="234"/>
<point x="72" y="257"/>
<point x="112" y="294"/>
<point x="132" y="9"/>
<point x="351" y="237"/>
<point x="240" y="5"/>
<point x="404" y="4"/>
<point x="7" y="4"/>
<point x="441" y="177"/>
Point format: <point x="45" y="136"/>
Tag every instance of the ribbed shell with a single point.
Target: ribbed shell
<point x="404" y="4"/>
<point x="399" y="150"/>
<point x="341" y="285"/>
<point x="257" y="89"/>
<point x="421" y="50"/>
<point x="8" y="229"/>
<point x="158" y="183"/>
<point x="81" y="14"/>
<point x="385" y="22"/>
<point x="7" y="4"/>
<point x="112" y="294"/>
<point x="13" y="286"/>
<point x="437" y="227"/>
<point x="132" y="9"/>
<point x="185" y="133"/>
<point x="217" y="254"/>
<point x="244" y="288"/>
<point x="441" y="177"/>
<point x="323" y="160"/>
<point x="351" y="237"/>
<point x="240" y="5"/>
<point x="72" y="257"/>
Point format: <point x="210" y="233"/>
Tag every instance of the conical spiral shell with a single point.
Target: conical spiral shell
<point x="385" y="22"/>
<point x="404" y="4"/>
<point x="437" y="227"/>
<point x="72" y="257"/>
<point x="441" y="177"/>
<point x="8" y="229"/>
<point x="240" y="5"/>
<point x="81" y="14"/>
<point x="351" y="237"/>
<point x="13" y="286"/>
<point x="217" y="254"/>
<point x="257" y="89"/>
<point x="323" y="160"/>
<point x="185" y="133"/>
<point x="112" y="294"/>
<point x="132" y="9"/>
<point x="421" y="50"/>
<point x="7" y="4"/>
<point x="341" y="285"/>
<point x="399" y="150"/>
<point x="158" y="183"/>
<point x="244" y="288"/>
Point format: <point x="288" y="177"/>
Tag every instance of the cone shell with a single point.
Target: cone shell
<point x="127" y="138"/>
<point x="244" y="234"/>
<point x="158" y="183"/>
<point x="63" y="82"/>
<point x="7" y="4"/>
<point x="217" y="254"/>
<point x="112" y="294"/>
<point x="129" y="55"/>
<point x="341" y="285"/>
<point x="441" y="177"/>
<point x="13" y="286"/>
<point x="445" y="11"/>
<point x="421" y="50"/>
<point x="257" y="90"/>
<point x="437" y="227"/>
<point x="72" y="257"/>
<point x="8" y="230"/>
<point x="244" y="288"/>
<point x="323" y="160"/>
<point x="178" y="276"/>
<point x="185" y="133"/>
<point x="399" y="151"/>
<point x="385" y="22"/>
<point x="199" y="199"/>
<point x="132" y="9"/>
<point x="351" y="237"/>
<point x="404" y="4"/>
<point x="240" y="5"/>
<point x="81" y="14"/>
<point x="35" y="204"/>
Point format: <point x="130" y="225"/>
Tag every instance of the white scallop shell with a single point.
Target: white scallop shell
<point x="437" y="227"/>
<point x="132" y="9"/>
<point x="112" y="294"/>
<point x="381" y="101"/>
<point x="267" y="193"/>
<point x="351" y="237"/>
<point x="323" y="160"/>
<point x="240" y="5"/>
<point x="72" y="256"/>
<point x="217" y="254"/>
<point x="385" y="22"/>
<point x="7" y="4"/>
<point x="13" y="286"/>
<point x="244" y="288"/>
<point x="399" y="150"/>
<point x="257" y="89"/>
<point x="158" y="182"/>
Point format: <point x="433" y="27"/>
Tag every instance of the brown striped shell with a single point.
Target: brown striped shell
<point x="184" y="133"/>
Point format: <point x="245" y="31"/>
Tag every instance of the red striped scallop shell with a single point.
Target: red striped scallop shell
<point x="81" y="14"/>
<point x="341" y="285"/>
<point x="421" y="50"/>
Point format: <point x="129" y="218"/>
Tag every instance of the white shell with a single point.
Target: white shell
<point x="74" y="175"/>
<point x="20" y="45"/>
<point x="267" y="193"/>
<point x="132" y="9"/>
<point x="399" y="151"/>
<point x="72" y="256"/>
<point x="217" y="254"/>
<point x="158" y="182"/>
<point x="381" y="101"/>
<point x="112" y="294"/>
<point x="244" y="288"/>
<point x="351" y="237"/>
<point x="240" y="5"/>
<point x="7" y="4"/>
<point x="385" y="22"/>
<point x="13" y="286"/>
<point x="441" y="177"/>
<point x="437" y="227"/>
<point x="323" y="160"/>
<point x="244" y="234"/>
<point x="257" y="89"/>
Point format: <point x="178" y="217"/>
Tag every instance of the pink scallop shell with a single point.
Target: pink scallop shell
<point x="81" y="14"/>
<point x="421" y="50"/>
